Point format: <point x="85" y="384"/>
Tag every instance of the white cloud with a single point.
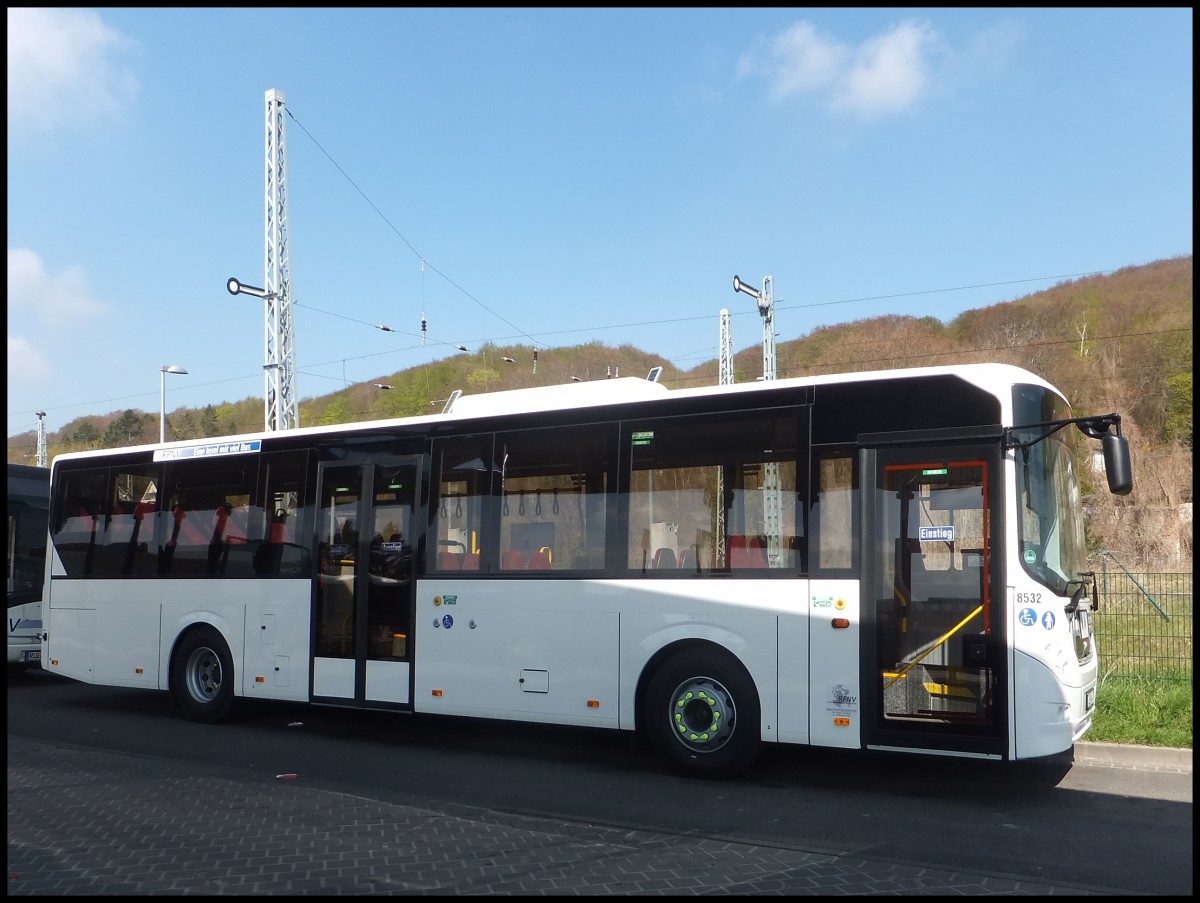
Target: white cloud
<point x="885" y="75"/>
<point x="65" y="65"/>
<point x="53" y="298"/>
<point x="806" y="60"/>
<point x="890" y="73"/>
<point x="25" y="363"/>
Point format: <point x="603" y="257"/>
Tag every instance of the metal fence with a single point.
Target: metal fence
<point x="1144" y="624"/>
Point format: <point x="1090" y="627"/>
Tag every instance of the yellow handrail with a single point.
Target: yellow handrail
<point x="940" y="642"/>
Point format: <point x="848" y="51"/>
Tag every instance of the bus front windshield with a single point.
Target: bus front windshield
<point x="1053" y="547"/>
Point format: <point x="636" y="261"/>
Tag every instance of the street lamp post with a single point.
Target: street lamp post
<point x="162" y="397"/>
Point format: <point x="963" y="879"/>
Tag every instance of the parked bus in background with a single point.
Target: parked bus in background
<point x="889" y="560"/>
<point x="28" y="506"/>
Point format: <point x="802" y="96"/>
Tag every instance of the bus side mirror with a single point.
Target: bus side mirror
<point x="1116" y="464"/>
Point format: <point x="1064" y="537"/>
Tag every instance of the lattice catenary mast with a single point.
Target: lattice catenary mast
<point x="724" y="378"/>
<point x="772" y="491"/>
<point x="281" y="409"/>
<point x="42" y="459"/>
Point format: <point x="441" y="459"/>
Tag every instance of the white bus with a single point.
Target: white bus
<point x="28" y="507"/>
<point x="889" y="560"/>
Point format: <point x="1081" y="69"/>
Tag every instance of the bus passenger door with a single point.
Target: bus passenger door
<point x="363" y="605"/>
<point x="933" y="648"/>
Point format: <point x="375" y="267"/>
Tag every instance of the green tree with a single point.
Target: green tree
<point x="208" y="423"/>
<point x="482" y="379"/>
<point x="86" y="434"/>
<point x="185" y="426"/>
<point x="1178" y="425"/>
<point x="127" y="429"/>
<point x="337" y="411"/>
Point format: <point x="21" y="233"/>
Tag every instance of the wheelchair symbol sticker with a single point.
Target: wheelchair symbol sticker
<point x="1028" y="617"/>
<point x="448" y="621"/>
<point x="1048" y="620"/>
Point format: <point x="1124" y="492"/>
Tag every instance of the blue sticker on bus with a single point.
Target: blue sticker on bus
<point x="448" y="621"/>
<point x="1048" y="620"/>
<point x="1028" y="617"/>
<point x="937" y="534"/>
<point x="212" y="449"/>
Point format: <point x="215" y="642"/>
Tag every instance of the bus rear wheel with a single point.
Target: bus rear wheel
<point x="202" y="677"/>
<point x="701" y="714"/>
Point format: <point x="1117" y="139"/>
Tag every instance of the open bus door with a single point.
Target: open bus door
<point x="933" y="649"/>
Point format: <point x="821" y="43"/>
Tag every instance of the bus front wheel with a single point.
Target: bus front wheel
<point x="202" y="677"/>
<point x="702" y="714"/>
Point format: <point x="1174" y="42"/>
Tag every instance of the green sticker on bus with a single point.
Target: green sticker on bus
<point x="644" y="437"/>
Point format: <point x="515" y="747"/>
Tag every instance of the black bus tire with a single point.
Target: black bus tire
<point x="701" y="714"/>
<point x="202" y="677"/>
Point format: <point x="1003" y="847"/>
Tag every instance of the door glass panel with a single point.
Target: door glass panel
<point x="337" y="553"/>
<point x="389" y="561"/>
<point x="933" y="648"/>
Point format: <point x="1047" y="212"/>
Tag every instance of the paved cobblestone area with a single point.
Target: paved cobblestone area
<point x="88" y="823"/>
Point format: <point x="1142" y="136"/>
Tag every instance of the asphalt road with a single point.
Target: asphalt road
<point x="111" y="792"/>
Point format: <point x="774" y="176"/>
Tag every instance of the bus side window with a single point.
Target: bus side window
<point x="462" y="482"/>
<point x="834" y="546"/>
<point x="76" y="523"/>
<point x="724" y="488"/>
<point x="130" y="543"/>
<point x="553" y="497"/>
<point x="280" y="516"/>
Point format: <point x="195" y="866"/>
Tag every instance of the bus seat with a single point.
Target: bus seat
<point x="687" y="559"/>
<point x="471" y="562"/>
<point x="743" y="556"/>
<point x="539" y="560"/>
<point x="513" y="560"/>
<point x="239" y="520"/>
<point x="735" y="551"/>
<point x="664" y="558"/>
<point x="449" y="561"/>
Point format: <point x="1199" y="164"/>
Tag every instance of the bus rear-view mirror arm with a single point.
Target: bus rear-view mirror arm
<point x="1106" y="428"/>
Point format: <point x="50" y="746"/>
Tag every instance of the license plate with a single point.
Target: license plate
<point x="1089" y="700"/>
<point x="32" y="655"/>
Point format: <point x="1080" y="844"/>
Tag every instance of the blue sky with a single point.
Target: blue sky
<point x="560" y="177"/>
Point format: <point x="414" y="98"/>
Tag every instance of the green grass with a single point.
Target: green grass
<point x="1141" y="711"/>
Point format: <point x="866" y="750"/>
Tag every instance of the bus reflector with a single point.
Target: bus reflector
<point x="437" y="692"/>
<point x="842" y="722"/>
<point x="260" y="679"/>
<point x="593" y="703"/>
<point x="841" y="623"/>
<point x="139" y="670"/>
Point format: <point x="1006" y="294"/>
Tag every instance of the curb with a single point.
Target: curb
<point x="1120" y="755"/>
